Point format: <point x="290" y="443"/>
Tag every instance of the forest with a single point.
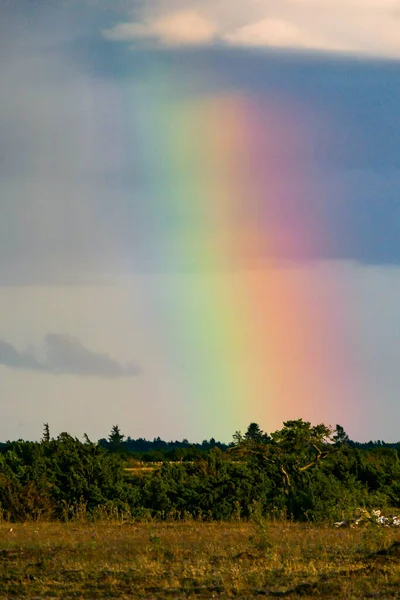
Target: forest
<point x="300" y="473"/>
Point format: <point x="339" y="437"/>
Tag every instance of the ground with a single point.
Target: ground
<point x="197" y="560"/>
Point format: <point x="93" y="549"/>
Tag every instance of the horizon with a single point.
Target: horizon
<point x="127" y="437"/>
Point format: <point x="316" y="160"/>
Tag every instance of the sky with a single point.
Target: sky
<point x="199" y="208"/>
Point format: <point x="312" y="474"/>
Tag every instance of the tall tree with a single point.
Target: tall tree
<point x="253" y="432"/>
<point x="340" y="438"/>
<point x="46" y="433"/>
<point x="115" y="438"/>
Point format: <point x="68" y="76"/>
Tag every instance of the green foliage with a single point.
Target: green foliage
<point x="46" y="434"/>
<point x="115" y="438"/>
<point x="40" y="480"/>
<point x="340" y="438"/>
<point x="301" y="471"/>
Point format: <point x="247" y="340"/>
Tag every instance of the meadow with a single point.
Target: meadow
<point x="199" y="560"/>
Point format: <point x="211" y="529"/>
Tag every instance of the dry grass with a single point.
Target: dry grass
<point x="197" y="560"/>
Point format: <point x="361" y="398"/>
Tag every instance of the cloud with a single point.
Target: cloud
<point x="178" y="28"/>
<point x="64" y="354"/>
<point x="82" y="137"/>
<point x="279" y="34"/>
<point x="367" y="27"/>
<point x="10" y="357"/>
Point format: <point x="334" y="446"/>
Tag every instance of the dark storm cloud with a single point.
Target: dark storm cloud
<point x="64" y="354"/>
<point x="75" y="200"/>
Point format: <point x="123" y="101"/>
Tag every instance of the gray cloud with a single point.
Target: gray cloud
<point x="85" y="193"/>
<point x="64" y="354"/>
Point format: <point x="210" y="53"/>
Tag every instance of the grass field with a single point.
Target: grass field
<point x="197" y="560"/>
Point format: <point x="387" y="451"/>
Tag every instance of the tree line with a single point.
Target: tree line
<point x="301" y="472"/>
<point x="157" y="449"/>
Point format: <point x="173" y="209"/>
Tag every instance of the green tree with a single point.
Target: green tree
<point x="254" y="433"/>
<point x="115" y="438"/>
<point x="340" y="438"/>
<point x="46" y="434"/>
<point x="292" y="450"/>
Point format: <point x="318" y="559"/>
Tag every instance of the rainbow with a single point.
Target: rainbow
<point x="228" y="181"/>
